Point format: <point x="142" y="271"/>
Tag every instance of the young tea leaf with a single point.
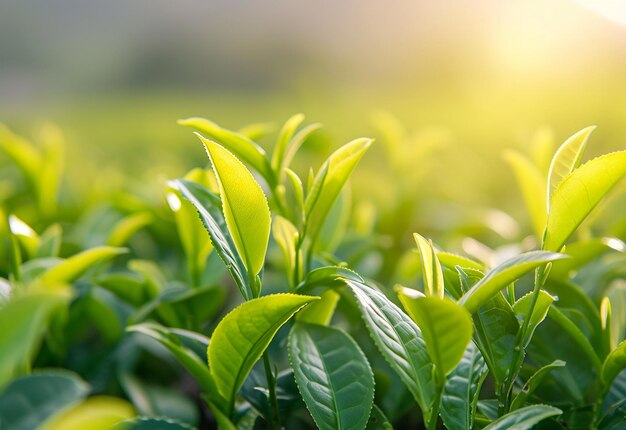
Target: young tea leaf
<point x="241" y="337"/>
<point x="566" y="159"/>
<point x="209" y="206"/>
<point x="446" y="328"/>
<point x="244" y="205"/>
<point x="329" y="181"/>
<point x="614" y="363"/>
<point x="504" y="274"/>
<point x="540" y="311"/>
<point x="240" y="145"/>
<point x="72" y="268"/>
<point x="431" y="269"/>
<point x="533" y="186"/>
<point x="524" y="419"/>
<point x="333" y="376"/>
<point x="534" y="382"/>
<point x="579" y="193"/>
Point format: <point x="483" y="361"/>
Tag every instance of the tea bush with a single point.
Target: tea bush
<point x="258" y="293"/>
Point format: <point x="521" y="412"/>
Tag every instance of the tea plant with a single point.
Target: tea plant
<point x="534" y="339"/>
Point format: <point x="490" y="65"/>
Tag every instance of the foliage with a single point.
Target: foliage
<point x="258" y="292"/>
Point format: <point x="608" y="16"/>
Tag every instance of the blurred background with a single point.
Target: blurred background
<point x="481" y="76"/>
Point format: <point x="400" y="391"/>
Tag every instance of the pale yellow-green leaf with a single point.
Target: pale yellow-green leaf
<point x="71" y="268"/>
<point x="286" y="236"/>
<point x="285" y="135"/>
<point x="244" y="205"/>
<point x="26" y="236"/>
<point x="431" y="268"/>
<point x="446" y="326"/>
<point x="566" y="159"/>
<point x="125" y="228"/>
<point x="321" y="311"/>
<point x="95" y="413"/>
<point x="579" y="193"/>
<point x="330" y="180"/>
<point x="533" y="187"/>
<point x="236" y="143"/>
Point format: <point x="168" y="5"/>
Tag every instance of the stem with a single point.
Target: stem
<point x="434" y="413"/>
<point x="271" y="386"/>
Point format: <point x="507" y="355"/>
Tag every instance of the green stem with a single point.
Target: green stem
<point x="271" y="386"/>
<point x="434" y="413"/>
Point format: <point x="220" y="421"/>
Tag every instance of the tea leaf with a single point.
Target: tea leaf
<point x="504" y="274"/>
<point x="285" y="135"/>
<point x="236" y="143"/>
<point x="209" y="206"/>
<point x="579" y="193"/>
<point x="185" y="356"/>
<point x="534" y="382"/>
<point x="340" y="165"/>
<point x="95" y="413"/>
<point x="431" y="269"/>
<point x="286" y="236"/>
<point x="525" y="418"/>
<point x="400" y="342"/>
<point x="72" y="268"/>
<point x="29" y="401"/>
<point x="241" y="337"/>
<point x="458" y="402"/>
<point x="27" y="318"/>
<point x="244" y="205"/>
<point x="540" y="311"/>
<point x="124" y="229"/>
<point x="533" y="187"/>
<point x="446" y="328"/>
<point x="378" y="420"/>
<point x="321" y="311"/>
<point x="614" y="363"/>
<point x="566" y="159"/>
<point x="333" y="376"/>
<point x="146" y="423"/>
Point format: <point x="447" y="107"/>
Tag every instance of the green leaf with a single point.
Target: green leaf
<point x="504" y="274"/>
<point x="95" y="413"/>
<point x="208" y="206"/>
<point x="534" y="382"/>
<point x="145" y="423"/>
<point x="241" y="337"/>
<point x="124" y="229"/>
<point x="400" y="342"/>
<point x="446" y="328"/>
<point x="296" y="142"/>
<point x="327" y="276"/>
<point x="286" y="236"/>
<point x="378" y="420"/>
<point x="584" y="252"/>
<point x="72" y="268"/>
<point x="533" y="186"/>
<point x="614" y="363"/>
<point x="329" y="182"/>
<point x="458" y="402"/>
<point x="245" y="207"/>
<point x="614" y="417"/>
<point x="27" y="318"/>
<point x="240" y="145"/>
<point x="50" y="243"/>
<point x="431" y="269"/>
<point x="496" y="330"/>
<point x="333" y="376"/>
<point x="525" y="418"/>
<point x="321" y="311"/>
<point x="184" y="355"/>
<point x="540" y="311"/>
<point x="28" y="401"/>
<point x="579" y="193"/>
<point x="566" y="159"/>
<point x="285" y="135"/>
<point x="452" y="260"/>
